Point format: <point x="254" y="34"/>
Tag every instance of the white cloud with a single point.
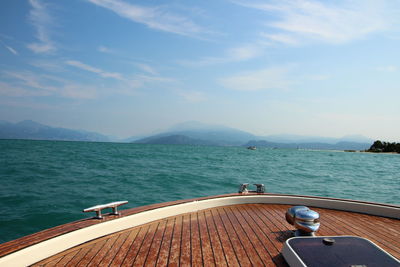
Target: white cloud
<point x="7" y="89"/>
<point x="281" y="38"/>
<point x="78" y="91"/>
<point x="389" y="68"/>
<point x="105" y="49"/>
<point x="12" y="50"/>
<point x="319" y="77"/>
<point x="270" y="78"/>
<point x="48" y="65"/>
<point x="154" y="17"/>
<point x="333" y="22"/>
<point x="192" y="96"/>
<point x="29" y="79"/>
<point x="86" y="67"/>
<point x="27" y="84"/>
<point x="147" y="68"/>
<point x="41" y="21"/>
<point x="236" y="54"/>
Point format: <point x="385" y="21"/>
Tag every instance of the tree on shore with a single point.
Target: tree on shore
<point x="379" y="146"/>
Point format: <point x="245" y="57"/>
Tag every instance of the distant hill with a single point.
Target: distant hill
<point x="201" y="134"/>
<point x="174" y="140"/>
<point x="290" y="139"/>
<point x="33" y="130"/>
<point x="196" y="133"/>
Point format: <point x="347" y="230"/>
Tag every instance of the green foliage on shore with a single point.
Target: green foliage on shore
<point x="379" y="146"/>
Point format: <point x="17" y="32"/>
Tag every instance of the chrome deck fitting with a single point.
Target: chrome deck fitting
<point x="113" y="205"/>
<point x="305" y="221"/>
<point x="243" y="189"/>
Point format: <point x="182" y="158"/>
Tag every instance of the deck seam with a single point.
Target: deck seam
<point x="226" y="234"/>
<point x="209" y="237"/>
<point x="151" y="243"/>
<point x="170" y="247"/>
<point x="231" y="216"/>
<point x="250" y="228"/>
<point x="235" y="234"/>
<point x="162" y="238"/>
<point x="201" y="243"/>
<point x="127" y="236"/>
<point x="144" y="240"/>
<point x="146" y="228"/>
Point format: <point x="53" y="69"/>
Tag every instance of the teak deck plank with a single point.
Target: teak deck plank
<point x="165" y="246"/>
<point x="245" y="240"/>
<point x="185" y="258"/>
<point x="215" y="240"/>
<point x="151" y="259"/>
<point x="136" y="244"/>
<point x="240" y="251"/>
<point x="230" y="255"/>
<point x="120" y="256"/>
<point x="146" y="244"/>
<point x="197" y="258"/>
<point x="175" y="248"/>
<point x="206" y="247"/>
<point x="238" y="235"/>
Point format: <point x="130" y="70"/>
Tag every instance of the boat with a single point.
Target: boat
<point x="252" y="147"/>
<point x="248" y="228"/>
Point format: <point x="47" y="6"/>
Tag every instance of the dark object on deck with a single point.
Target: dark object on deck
<point x="340" y="251"/>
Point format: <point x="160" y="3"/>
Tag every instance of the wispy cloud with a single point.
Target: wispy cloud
<point x="31" y="80"/>
<point x="264" y="79"/>
<point x="9" y="48"/>
<point x="41" y="20"/>
<point x="86" y="67"/>
<point x="192" y="96"/>
<point x="12" y="50"/>
<point x="302" y="21"/>
<point x="105" y="49"/>
<point x="128" y="83"/>
<point x="7" y="89"/>
<point x="389" y="68"/>
<point x="158" y="18"/>
<point x="147" y="68"/>
<point x="48" y="65"/>
<point x="319" y="77"/>
<point x="27" y="84"/>
<point x="236" y="54"/>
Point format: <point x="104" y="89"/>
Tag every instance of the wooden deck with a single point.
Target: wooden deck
<point x="238" y="235"/>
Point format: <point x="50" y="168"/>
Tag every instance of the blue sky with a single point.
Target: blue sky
<point x="124" y="68"/>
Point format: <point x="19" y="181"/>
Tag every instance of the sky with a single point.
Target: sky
<point x="134" y="67"/>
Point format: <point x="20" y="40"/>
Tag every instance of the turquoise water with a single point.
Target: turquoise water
<point x="47" y="183"/>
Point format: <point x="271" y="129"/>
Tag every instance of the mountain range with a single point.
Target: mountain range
<point x="196" y="133"/>
<point x="188" y="133"/>
<point x="28" y="129"/>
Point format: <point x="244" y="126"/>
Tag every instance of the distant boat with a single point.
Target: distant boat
<point x="252" y="147"/>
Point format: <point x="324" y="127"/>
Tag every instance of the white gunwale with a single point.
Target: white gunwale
<point x="50" y="247"/>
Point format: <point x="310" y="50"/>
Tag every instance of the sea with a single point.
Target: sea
<point x="48" y="183"/>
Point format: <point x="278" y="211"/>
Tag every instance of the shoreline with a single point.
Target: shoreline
<point x="376" y="152"/>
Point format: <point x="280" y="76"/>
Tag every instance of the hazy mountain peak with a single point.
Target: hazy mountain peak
<point x="30" y="123"/>
<point x="29" y="129"/>
<point x="196" y="126"/>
